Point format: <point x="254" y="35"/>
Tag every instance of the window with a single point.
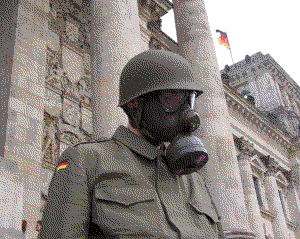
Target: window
<point x="282" y="203"/>
<point x="256" y="186"/>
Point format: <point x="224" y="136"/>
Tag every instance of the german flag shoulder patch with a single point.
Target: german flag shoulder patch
<point x="62" y="165"/>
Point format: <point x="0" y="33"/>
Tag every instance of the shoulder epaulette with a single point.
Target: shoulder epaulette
<point x="93" y="142"/>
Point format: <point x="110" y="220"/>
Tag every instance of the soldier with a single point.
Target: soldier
<point x="134" y="185"/>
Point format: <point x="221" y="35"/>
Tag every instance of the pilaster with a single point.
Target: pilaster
<point x="246" y="150"/>
<point x="279" y="223"/>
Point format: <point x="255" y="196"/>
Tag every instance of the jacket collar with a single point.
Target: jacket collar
<point x="136" y="143"/>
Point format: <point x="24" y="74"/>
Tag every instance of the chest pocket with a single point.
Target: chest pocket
<point x="125" y="196"/>
<point x="124" y="210"/>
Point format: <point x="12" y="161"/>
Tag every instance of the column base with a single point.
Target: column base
<point x="11" y="233"/>
<point x="239" y="234"/>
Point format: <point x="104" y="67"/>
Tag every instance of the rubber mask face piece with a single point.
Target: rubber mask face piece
<point x="169" y="116"/>
<point x="167" y="113"/>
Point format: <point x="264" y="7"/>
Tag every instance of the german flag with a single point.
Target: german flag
<point x="223" y="39"/>
<point x="61" y="166"/>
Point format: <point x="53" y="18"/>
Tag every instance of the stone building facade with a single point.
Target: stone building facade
<point x="61" y="60"/>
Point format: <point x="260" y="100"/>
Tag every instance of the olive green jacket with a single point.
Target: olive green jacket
<point x="120" y="188"/>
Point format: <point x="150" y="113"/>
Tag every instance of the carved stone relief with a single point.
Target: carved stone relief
<point x="69" y="138"/>
<point x="53" y="63"/>
<point x="51" y="136"/>
<point x="71" y="114"/>
<point x="87" y="63"/>
<point x="272" y="166"/>
<point x="72" y="64"/>
<point x="245" y="147"/>
<point x="57" y="22"/>
<point x="86" y="122"/>
<point x="154" y="44"/>
<point x="69" y="70"/>
<point x="84" y="90"/>
<point x="72" y="31"/>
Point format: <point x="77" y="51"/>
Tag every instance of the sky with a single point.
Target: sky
<point x="267" y="26"/>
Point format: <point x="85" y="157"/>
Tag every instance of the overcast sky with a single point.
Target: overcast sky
<point x="268" y="26"/>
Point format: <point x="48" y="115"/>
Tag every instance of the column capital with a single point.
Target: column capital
<point x="245" y="147"/>
<point x="294" y="175"/>
<point x="272" y="166"/>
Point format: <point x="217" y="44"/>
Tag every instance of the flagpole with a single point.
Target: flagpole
<point x="229" y="47"/>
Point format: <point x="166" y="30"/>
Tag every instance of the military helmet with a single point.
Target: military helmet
<point x="155" y="70"/>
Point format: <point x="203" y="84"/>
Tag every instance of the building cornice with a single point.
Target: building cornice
<point x="237" y="103"/>
<point x="168" y="42"/>
<point x="296" y="88"/>
<point x="156" y="8"/>
<point x="292" y="225"/>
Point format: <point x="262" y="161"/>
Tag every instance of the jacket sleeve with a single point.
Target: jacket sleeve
<point x="66" y="214"/>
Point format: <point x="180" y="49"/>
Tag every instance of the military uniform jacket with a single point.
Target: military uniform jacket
<point x="120" y="188"/>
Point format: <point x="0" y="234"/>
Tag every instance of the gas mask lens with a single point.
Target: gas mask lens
<point x="171" y="100"/>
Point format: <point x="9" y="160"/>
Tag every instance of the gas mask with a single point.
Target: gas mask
<point x="169" y="116"/>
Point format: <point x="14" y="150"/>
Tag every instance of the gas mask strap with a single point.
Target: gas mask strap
<point x="140" y="110"/>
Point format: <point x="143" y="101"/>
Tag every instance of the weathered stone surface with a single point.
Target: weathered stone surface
<point x="71" y="114"/>
<point x="87" y="121"/>
<point x="248" y="188"/>
<point x="72" y="31"/>
<point x="279" y="224"/>
<point x="72" y="64"/>
<point x="53" y="40"/>
<point x="11" y="197"/>
<point x="51" y="136"/>
<point x="53" y="103"/>
<point x="272" y="166"/>
<point x="25" y="109"/>
<point x="115" y="39"/>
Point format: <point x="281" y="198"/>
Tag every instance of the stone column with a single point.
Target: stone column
<point x="24" y="61"/>
<point x="11" y="184"/>
<point x="115" y="38"/>
<point x="293" y="198"/>
<point x="221" y="173"/>
<point x="246" y="152"/>
<point x="279" y="224"/>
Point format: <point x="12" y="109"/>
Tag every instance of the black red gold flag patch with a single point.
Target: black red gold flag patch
<point x="61" y="166"/>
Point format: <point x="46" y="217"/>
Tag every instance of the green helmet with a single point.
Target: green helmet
<point x="155" y="70"/>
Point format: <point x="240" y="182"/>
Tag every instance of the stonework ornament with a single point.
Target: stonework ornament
<point x="294" y="175"/>
<point x="72" y="64"/>
<point x="53" y="65"/>
<point x="84" y="37"/>
<point x="87" y="63"/>
<point x="84" y="90"/>
<point x="72" y="31"/>
<point x="272" y="166"/>
<point x="154" y="44"/>
<point x="58" y="23"/>
<point x="65" y="82"/>
<point x="69" y="138"/>
<point x="245" y="147"/>
<point x="86" y="122"/>
<point x="50" y="138"/>
<point x="71" y="113"/>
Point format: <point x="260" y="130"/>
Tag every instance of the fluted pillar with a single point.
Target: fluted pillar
<point x="279" y="224"/>
<point x="246" y="152"/>
<point x="115" y="38"/>
<point x="293" y="198"/>
<point x="221" y="173"/>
